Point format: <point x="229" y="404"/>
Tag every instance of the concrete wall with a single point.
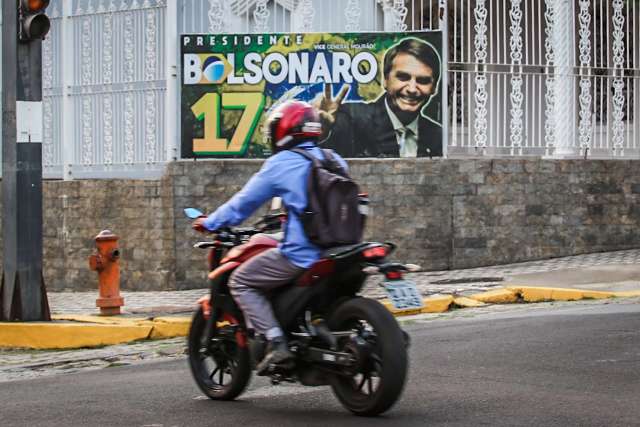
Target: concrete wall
<point x="443" y="214"/>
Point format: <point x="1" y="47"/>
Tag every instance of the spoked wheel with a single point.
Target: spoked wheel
<point x="378" y="347"/>
<point x="220" y="367"/>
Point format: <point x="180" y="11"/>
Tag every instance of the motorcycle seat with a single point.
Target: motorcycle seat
<point x="275" y="236"/>
<point x="338" y="251"/>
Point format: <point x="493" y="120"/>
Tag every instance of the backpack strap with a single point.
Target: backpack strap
<point x="305" y="153"/>
<point x="315" y="164"/>
<point x="335" y="165"/>
<point x="329" y="162"/>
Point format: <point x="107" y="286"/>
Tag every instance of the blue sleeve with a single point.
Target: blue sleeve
<point x="260" y="188"/>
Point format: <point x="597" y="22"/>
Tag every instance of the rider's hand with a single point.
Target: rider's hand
<point x="198" y="224"/>
<point x="328" y="106"/>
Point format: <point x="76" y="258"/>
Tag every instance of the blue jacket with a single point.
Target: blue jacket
<point x="282" y="175"/>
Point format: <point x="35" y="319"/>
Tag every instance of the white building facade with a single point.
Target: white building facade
<point x="556" y="78"/>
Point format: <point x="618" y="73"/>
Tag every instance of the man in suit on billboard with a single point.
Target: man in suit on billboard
<point x="394" y="125"/>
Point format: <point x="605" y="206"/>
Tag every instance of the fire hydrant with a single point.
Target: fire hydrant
<point x="106" y="263"/>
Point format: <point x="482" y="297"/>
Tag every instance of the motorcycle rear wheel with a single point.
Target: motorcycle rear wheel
<point x="223" y="356"/>
<point x="380" y="378"/>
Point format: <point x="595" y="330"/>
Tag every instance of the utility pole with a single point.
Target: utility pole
<point x="22" y="291"/>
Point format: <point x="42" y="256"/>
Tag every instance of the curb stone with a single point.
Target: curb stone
<point x="536" y="294"/>
<point x="496" y="296"/>
<point x="48" y="335"/>
<point x="466" y="302"/>
<point x="78" y="331"/>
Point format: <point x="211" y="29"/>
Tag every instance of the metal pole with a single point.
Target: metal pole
<point x="563" y="43"/>
<point x="172" y="115"/>
<point x="444" y="28"/>
<point x="10" y="235"/>
<point x="22" y="294"/>
<point x="68" y="52"/>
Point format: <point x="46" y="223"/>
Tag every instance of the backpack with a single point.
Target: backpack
<point x="332" y="216"/>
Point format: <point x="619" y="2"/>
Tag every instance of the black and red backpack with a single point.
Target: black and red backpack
<point x="333" y="216"/>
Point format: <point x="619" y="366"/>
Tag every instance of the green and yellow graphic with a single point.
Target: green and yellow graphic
<point x="230" y="82"/>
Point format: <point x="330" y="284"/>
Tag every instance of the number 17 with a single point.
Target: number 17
<point x="208" y="108"/>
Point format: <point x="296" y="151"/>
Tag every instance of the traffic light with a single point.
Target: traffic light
<point x="33" y="23"/>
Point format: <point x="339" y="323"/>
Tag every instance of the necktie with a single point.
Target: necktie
<point x="408" y="147"/>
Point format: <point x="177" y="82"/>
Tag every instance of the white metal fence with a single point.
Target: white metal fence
<point x="553" y="77"/>
<point x="540" y="77"/>
<point x="104" y="88"/>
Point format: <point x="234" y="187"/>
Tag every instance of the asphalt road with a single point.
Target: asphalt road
<point x="565" y="365"/>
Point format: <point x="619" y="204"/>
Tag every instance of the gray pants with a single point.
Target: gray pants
<point x="250" y="283"/>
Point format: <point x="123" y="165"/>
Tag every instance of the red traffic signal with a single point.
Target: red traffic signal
<point x="34" y="24"/>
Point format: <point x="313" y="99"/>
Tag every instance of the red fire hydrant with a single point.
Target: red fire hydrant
<point x="106" y="263"/>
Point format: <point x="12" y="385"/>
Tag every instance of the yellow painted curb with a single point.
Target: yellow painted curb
<point x="496" y="296"/>
<point x="170" y="327"/>
<point x="623" y="294"/>
<point x="598" y="294"/>
<point x="45" y="335"/>
<point x="93" y="331"/>
<point x="465" y="302"/>
<point x="396" y="312"/>
<point x="104" y="320"/>
<point x="437" y="304"/>
<point x="537" y="294"/>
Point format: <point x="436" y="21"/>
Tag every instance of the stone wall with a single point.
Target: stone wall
<point x="205" y="185"/>
<point x="443" y="214"/>
<point x="460" y="213"/>
<point x="139" y="212"/>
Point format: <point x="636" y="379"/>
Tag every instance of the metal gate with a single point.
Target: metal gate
<point x="104" y="86"/>
<point x="525" y="77"/>
<point x="110" y="71"/>
<point x="553" y="77"/>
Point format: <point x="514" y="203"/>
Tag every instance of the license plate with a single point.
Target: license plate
<point x="404" y="294"/>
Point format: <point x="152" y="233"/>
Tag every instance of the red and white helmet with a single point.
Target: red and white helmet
<point x="291" y="123"/>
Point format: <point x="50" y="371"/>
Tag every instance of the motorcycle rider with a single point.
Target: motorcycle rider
<point x="293" y="124"/>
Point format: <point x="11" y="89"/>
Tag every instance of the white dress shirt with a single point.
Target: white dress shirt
<point x="407" y="136"/>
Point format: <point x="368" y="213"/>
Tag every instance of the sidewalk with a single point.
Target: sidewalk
<point x="612" y="271"/>
<point x="166" y="314"/>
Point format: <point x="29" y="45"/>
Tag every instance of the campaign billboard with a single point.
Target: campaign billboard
<point x="380" y="93"/>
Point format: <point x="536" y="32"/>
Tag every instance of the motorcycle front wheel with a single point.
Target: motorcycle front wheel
<point x="220" y="367"/>
<point x="379" y="349"/>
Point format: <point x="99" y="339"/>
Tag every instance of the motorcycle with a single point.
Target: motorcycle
<point x="351" y="343"/>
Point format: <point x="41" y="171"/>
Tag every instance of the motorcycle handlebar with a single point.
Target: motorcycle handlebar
<point x="235" y="236"/>
<point x="270" y="222"/>
<point x="267" y="224"/>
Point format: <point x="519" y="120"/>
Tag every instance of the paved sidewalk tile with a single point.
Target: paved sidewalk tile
<point x="460" y="282"/>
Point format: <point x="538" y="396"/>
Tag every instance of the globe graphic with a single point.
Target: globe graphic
<point x="213" y="69"/>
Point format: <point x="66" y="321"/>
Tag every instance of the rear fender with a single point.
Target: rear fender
<point x="319" y="270"/>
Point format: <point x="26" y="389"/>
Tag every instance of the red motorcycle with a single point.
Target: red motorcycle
<point x="338" y="338"/>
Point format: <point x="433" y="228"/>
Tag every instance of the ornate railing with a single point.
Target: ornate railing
<point x="104" y="85"/>
<point x="525" y="77"/>
<point x="544" y="77"/>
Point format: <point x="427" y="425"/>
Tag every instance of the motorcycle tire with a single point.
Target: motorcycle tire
<point x="223" y="356"/>
<point x="385" y="352"/>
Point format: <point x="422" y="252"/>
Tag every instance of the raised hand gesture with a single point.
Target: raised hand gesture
<point x="328" y="106"/>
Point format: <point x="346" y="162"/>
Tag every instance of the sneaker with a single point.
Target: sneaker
<point x="278" y="356"/>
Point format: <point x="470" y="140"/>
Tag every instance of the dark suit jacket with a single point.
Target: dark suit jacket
<point x="365" y="130"/>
